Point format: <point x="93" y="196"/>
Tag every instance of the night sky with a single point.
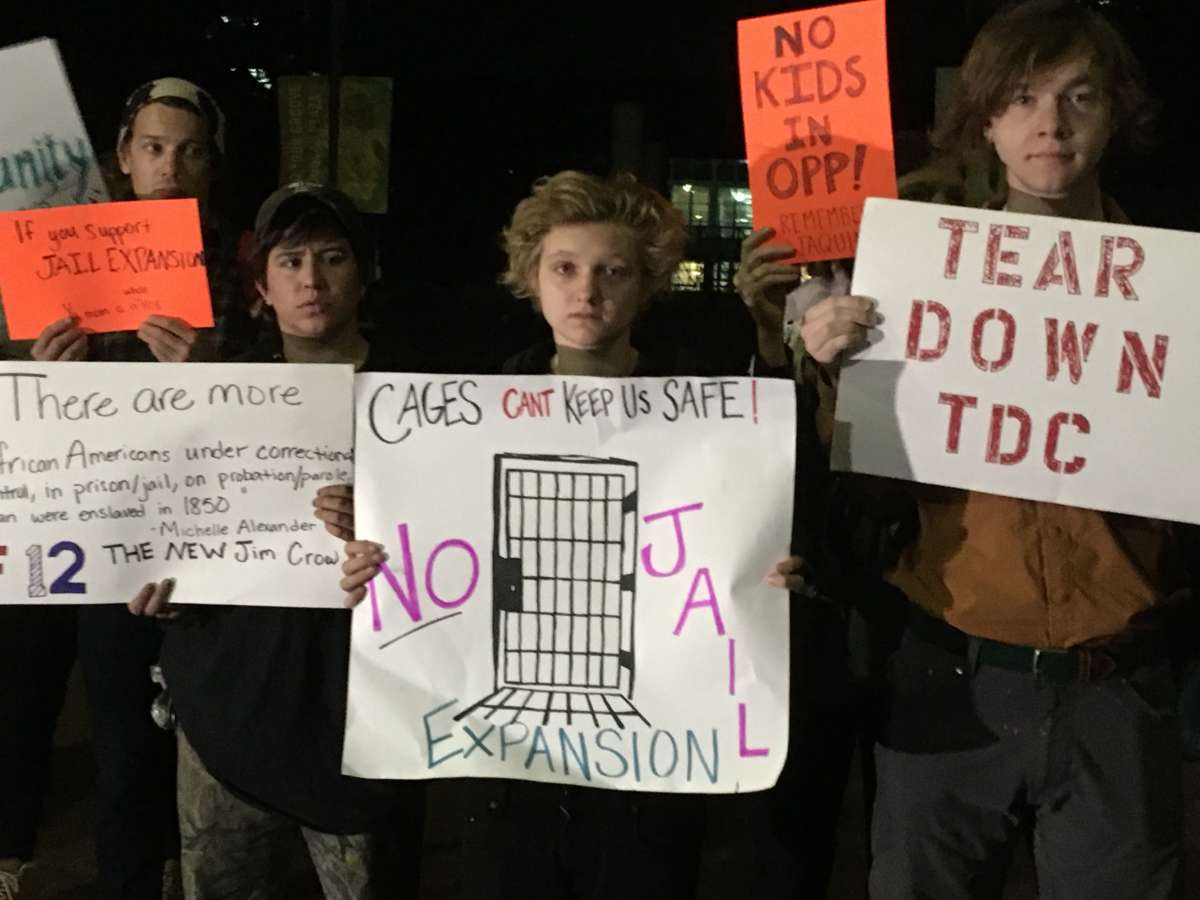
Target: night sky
<point x="490" y="96"/>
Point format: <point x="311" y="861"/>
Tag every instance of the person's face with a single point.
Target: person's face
<point x="167" y="155"/>
<point x="313" y="287"/>
<point x="589" y="283"/>
<point x="1053" y="131"/>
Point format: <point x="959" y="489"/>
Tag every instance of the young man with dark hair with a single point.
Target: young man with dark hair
<point x="1032" y="683"/>
<point x="260" y="692"/>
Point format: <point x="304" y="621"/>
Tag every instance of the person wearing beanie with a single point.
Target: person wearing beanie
<point x="260" y="692"/>
<point x="170" y="144"/>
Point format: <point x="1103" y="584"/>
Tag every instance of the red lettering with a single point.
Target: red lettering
<point x="1053" y="463"/>
<point x="1009" y="257"/>
<point x="1107" y="271"/>
<point x="504" y="398"/>
<point x="1065" y="248"/>
<point x="1007" y="343"/>
<point x="916" y="321"/>
<point x="999" y="414"/>
<point x="1068" y="349"/>
<point x="957" y="403"/>
<point x="1151" y="372"/>
<point x="534" y="404"/>
<point x="956" y="227"/>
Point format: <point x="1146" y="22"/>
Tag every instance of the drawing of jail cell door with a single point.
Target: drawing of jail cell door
<point x="564" y="563"/>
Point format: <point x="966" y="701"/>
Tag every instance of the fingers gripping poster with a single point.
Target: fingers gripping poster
<point x="114" y="475"/>
<point x="574" y="586"/>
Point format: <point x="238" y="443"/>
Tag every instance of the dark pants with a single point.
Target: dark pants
<point x="37" y="650"/>
<point x="137" y="828"/>
<point x="966" y="756"/>
<point x="521" y="840"/>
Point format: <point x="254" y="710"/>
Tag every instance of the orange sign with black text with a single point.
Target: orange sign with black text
<point x="109" y="265"/>
<point x="817" y="116"/>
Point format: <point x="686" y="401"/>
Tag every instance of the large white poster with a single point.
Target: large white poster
<point x="1035" y="357"/>
<point x="574" y="591"/>
<point x="46" y="158"/>
<point x="113" y="475"/>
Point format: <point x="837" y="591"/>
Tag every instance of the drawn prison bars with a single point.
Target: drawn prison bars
<point x="564" y="564"/>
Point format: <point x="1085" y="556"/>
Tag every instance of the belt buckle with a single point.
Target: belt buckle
<point x="1037" y="657"/>
<point x="1038" y="653"/>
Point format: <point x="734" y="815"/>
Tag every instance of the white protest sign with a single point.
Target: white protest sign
<point x="1035" y="357"/>
<point x="113" y="475"/>
<point x="574" y="591"/>
<point x="46" y="158"/>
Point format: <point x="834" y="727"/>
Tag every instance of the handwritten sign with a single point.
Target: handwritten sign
<point x="818" y="122"/>
<point x="575" y="585"/>
<point x="1035" y="357"/>
<point x="46" y="158"/>
<point x="109" y="264"/>
<point x="113" y="475"/>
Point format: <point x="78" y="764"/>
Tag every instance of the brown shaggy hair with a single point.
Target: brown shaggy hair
<point x="1027" y="38"/>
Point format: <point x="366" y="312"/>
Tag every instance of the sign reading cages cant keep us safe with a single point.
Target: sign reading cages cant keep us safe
<point x="574" y="590"/>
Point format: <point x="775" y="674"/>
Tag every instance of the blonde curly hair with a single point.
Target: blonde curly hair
<point x="576" y="198"/>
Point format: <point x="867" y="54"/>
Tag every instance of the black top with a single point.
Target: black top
<point x="260" y="693"/>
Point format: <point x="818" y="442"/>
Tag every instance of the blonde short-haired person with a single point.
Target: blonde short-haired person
<point x="591" y="253"/>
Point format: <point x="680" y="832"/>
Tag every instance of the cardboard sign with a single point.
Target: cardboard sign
<point x="364" y="135"/>
<point x="113" y="475"/>
<point x="1049" y="359"/>
<point x="46" y="158"/>
<point x="818" y="123"/>
<point x="110" y="265"/>
<point x="364" y="141"/>
<point x="575" y="579"/>
<point x="304" y="129"/>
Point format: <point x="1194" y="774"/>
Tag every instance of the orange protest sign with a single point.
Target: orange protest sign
<point x="108" y="264"/>
<point x="818" y="123"/>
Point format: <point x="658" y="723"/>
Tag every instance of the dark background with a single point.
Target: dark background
<point x="490" y="96"/>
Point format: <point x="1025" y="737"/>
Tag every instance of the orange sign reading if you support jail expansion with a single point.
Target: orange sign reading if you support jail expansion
<point x="818" y="123"/>
<point x="109" y="265"/>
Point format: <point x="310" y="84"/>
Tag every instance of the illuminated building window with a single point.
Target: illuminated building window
<point x="692" y="201"/>
<point x="689" y="276"/>
<point x="723" y="272"/>
<point x="734" y="209"/>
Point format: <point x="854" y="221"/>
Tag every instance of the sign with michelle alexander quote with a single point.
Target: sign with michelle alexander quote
<point x="113" y="475"/>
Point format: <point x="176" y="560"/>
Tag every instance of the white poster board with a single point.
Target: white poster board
<point x="46" y="158"/>
<point x="575" y="585"/>
<point x="1042" y="358"/>
<point x="113" y="475"/>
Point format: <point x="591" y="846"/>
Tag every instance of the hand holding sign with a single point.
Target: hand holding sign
<point x="836" y="324"/>
<point x="60" y="341"/>
<point x="763" y="279"/>
<point x="110" y="265"/>
<point x="169" y="339"/>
